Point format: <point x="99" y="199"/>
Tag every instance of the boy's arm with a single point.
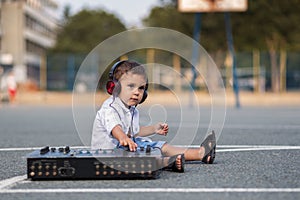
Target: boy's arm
<point x="124" y="140"/>
<point x="146" y="131"/>
<point x="159" y="128"/>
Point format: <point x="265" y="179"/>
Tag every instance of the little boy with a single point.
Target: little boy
<point x="117" y="122"/>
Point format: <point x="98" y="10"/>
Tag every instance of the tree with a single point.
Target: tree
<point x="267" y="25"/>
<point x="85" y="30"/>
<point x="169" y="17"/>
<point x="213" y="36"/>
<point x="67" y="12"/>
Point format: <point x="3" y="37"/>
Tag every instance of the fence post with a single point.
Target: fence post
<point x="43" y="73"/>
<point x="71" y="72"/>
<point x="195" y="55"/>
<point x="228" y="70"/>
<point x="232" y="52"/>
<point x="177" y="67"/>
<point x="256" y="70"/>
<point x="282" y="71"/>
<point x="150" y="62"/>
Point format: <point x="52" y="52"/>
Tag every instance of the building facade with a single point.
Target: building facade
<point x="27" y="29"/>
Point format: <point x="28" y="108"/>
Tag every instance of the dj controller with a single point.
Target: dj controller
<point x="65" y="163"/>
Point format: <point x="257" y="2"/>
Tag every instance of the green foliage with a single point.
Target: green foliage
<point x="266" y="24"/>
<point x="169" y="17"/>
<point x="85" y="30"/>
<point x="212" y="32"/>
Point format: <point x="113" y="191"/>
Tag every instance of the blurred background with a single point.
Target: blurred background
<point x="44" y="42"/>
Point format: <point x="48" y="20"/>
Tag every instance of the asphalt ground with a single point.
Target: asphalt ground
<point x="258" y="155"/>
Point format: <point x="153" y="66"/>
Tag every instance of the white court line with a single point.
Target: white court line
<point x="235" y="126"/>
<point x="5" y="184"/>
<point x="11" y="181"/>
<point x="33" y="148"/>
<point x="259" y="149"/>
<point x="153" y="190"/>
<point x="240" y="148"/>
<point x="255" y="146"/>
<point x="231" y="148"/>
<point x="246" y="146"/>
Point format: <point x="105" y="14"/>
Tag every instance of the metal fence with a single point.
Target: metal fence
<point x="253" y="70"/>
<point x="61" y="70"/>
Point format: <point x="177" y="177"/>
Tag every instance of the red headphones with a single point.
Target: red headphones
<point x="113" y="86"/>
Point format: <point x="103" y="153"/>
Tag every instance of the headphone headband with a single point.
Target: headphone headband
<point x="113" y="69"/>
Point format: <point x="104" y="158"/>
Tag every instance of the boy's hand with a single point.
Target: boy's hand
<point x="123" y="139"/>
<point x="161" y="129"/>
<point x="126" y="141"/>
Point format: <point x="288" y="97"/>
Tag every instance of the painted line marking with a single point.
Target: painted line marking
<point x="258" y="149"/>
<point x="34" y="148"/>
<point x="154" y="190"/>
<point x="240" y="148"/>
<point x="11" y="181"/>
<point x="220" y="148"/>
<point x="5" y="184"/>
<point x="235" y="126"/>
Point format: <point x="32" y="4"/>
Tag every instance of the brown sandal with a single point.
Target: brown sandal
<point x="209" y="145"/>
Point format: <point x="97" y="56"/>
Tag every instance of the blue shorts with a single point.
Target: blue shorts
<point x="144" y="142"/>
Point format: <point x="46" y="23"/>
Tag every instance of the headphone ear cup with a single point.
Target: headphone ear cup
<point x="110" y="85"/>
<point x="145" y="95"/>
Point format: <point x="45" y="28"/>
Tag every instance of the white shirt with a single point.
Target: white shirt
<point x="11" y="82"/>
<point x="113" y="112"/>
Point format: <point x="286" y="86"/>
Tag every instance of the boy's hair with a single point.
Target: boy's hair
<point x="128" y="66"/>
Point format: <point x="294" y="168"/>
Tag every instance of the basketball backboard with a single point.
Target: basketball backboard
<point x="212" y="5"/>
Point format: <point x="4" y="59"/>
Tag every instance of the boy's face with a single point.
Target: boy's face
<point x="132" y="88"/>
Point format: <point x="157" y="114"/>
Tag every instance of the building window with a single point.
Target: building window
<point x="39" y="27"/>
<point x="34" y="48"/>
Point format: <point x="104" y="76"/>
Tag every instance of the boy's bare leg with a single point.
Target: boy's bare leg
<point x="190" y="154"/>
<point x="173" y="163"/>
<point x="205" y="153"/>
